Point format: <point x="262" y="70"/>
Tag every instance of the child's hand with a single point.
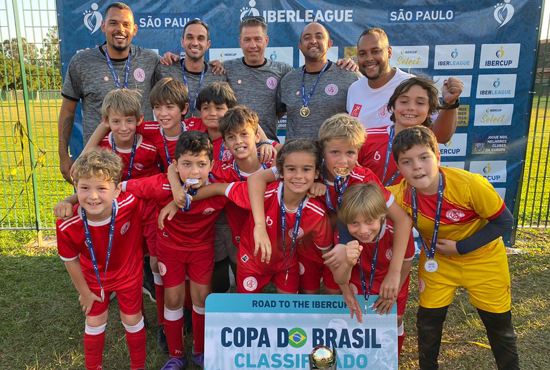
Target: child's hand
<point x="336" y="256"/>
<point x="390" y="286"/>
<point x="383" y="306"/>
<point x="353" y="251"/>
<point x="452" y="88"/>
<point x="169" y="58"/>
<point x="170" y="210"/>
<point x="267" y="151"/>
<point x="446" y="247"/>
<point x="87" y="301"/>
<point x="262" y="242"/>
<point x="353" y="305"/>
<point x="316" y="190"/>
<point x="63" y="210"/>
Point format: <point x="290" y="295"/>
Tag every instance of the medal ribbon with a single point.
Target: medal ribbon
<point x="305" y="101"/>
<point x="91" y="246"/>
<point x="192" y="107"/>
<point x="127" y="69"/>
<point x="239" y="173"/>
<point x="372" y="271"/>
<point x="388" y="153"/>
<point x="166" y="146"/>
<point x="132" y="156"/>
<point x="430" y="252"/>
<point x="340" y="185"/>
<point x="294" y="232"/>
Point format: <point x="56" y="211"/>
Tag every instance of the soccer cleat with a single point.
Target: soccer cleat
<point x="175" y="363"/>
<point x="198" y="359"/>
<point x="162" y="344"/>
<point x="148" y="280"/>
<point x="187" y="321"/>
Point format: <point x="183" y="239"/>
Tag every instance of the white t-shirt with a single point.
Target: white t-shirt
<point x="370" y="105"/>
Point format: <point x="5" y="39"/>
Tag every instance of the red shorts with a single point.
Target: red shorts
<point x="129" y="300"/>
<point x="311" y="273"/>
<point x="250" y="281"/>
<point x="175" y="264"/>
<point x="150" y="239"/>
<point x="355" y="285"/>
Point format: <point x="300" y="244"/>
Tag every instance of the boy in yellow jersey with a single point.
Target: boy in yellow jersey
<point x="462" y="214"/>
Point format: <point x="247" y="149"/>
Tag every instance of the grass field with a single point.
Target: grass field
<point x="42" y="326"/>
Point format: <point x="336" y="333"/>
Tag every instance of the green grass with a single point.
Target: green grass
<point x="42" y="325"/>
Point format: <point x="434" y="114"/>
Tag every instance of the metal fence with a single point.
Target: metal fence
<point x="30" y="80"/>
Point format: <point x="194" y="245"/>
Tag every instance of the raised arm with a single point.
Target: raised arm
<point x="445" y="125"/>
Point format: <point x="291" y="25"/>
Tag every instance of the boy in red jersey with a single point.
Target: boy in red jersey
<point x="412" y="103"/>
<point x="462" y="218"/>
<point x="239" y="128"/>
<point x="364" y="211"/>
<point x="185" y="245"/>
<point x="105" y="218"/>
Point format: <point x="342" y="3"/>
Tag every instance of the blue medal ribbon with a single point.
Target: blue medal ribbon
<point x="239" y="172"/>
<point x="192" y="107"/>
<point x="305" y="101"/>
<point x="222" y="149"/>
<point x="388" y="153"/>
<point x="193" y="191"/>
<point x="294" y="232"/>
<point x="91" y="246"/>
<point x="166" y="146"/>
<point x="430" y="252"/>
<point x="366" y="293"/>
<point x="340" y="185"/>
<point x="132" y="156"/>
<point x="126" y="68"/>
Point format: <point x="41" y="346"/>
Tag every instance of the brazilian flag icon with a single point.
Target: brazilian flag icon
<point x="297" y="337"/>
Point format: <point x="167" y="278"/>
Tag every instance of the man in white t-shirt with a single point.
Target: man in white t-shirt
<point x="368" y="97"/>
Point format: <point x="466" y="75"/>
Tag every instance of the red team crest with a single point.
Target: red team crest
<point x="250" y="283"/>
<point x="389" y="254"/>
<point x="139" y="75"/>
<point x="271" y="83"/>
<point x="124" y="228"/>
<point x="383" y="112"/>
<point x="356" y="110"/>
<point x="421" y="285"/>
<point x="162" y="269"/>
<point x="302" y="268"/>
<point x="331" y="89"/>
<point x="300" y="233"/>
<point x="454" y="215"/>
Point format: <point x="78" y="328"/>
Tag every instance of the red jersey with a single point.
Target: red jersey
<point x="221" y="153"/>
<point x="152" y="131"/>
<point x="145" y="165"/>
<point x="187" y="231"/>
<point x="373" y="153"/>
<point x="384" y="255"/>
<point x="126" y="261"/>
<point x="225" y="172"/>
<point x="314" y="222"/>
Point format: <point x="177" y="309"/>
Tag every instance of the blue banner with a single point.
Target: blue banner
<point x="483" y="43"/>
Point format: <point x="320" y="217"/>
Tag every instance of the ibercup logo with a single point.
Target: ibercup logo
<point x="500" y="52"/>
<point x="496" y="83"/>
<point x="504" y="12"/>
<point x="250" y="12"/>
<point x="454" y="54"/>
<point x="273" y="56"/>
<point x="92" y="18"/>
<point x="487" y="169"/>
<point x="448" y="143"/>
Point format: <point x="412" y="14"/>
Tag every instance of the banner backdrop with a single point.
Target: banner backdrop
<point x="489" y="44"/>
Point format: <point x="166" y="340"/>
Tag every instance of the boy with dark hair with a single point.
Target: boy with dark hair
<point x="104" y="235"/>
<point x="461" y="219"/>
<point x="185" y="245"/>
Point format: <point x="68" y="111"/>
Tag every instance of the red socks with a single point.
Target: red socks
<point x="135" y="337"/>
<point x="198" y="329"/>
<point x="173" y="328"/>
<point x="94" y="341"/>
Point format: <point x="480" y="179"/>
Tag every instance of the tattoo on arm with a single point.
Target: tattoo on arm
<point x="67" y="131"/>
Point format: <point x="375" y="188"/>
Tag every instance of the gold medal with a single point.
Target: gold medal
<point x="304" y="111"/>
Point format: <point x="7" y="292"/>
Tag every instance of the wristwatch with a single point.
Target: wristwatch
<point x="446" y="106"/>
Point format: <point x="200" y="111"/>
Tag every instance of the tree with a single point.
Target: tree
<point x="11" y="51"/>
